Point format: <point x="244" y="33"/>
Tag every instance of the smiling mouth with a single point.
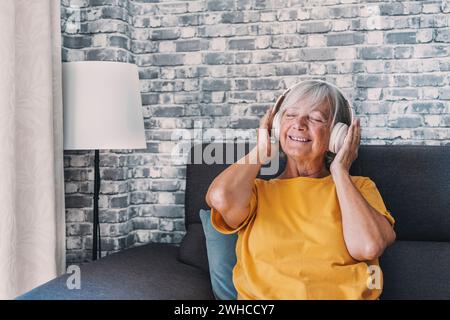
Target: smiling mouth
<point x="299" y="139"/>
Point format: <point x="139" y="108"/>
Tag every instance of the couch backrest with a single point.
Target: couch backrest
<point x="414" y="182"/>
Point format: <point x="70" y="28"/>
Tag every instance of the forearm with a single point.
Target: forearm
<point x="231" y="190"/>
<point x="366" y="232"/>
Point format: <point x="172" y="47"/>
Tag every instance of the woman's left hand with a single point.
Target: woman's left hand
<point x="349" y="151"/>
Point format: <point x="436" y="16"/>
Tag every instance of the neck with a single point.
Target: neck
<point x="302" y="169"/>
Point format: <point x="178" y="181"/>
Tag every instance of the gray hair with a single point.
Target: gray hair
<point x="316" y="92"/>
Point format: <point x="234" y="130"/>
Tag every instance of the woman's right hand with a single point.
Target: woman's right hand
<point x="267" y="148"/>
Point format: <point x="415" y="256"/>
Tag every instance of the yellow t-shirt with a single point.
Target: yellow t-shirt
<point x="291" y="245"/>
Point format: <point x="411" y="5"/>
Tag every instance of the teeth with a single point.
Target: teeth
<point x="299" y="139"/>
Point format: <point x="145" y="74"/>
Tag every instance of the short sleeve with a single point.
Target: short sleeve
<point x="219" y="223"/>
<point x="371" y="193"/>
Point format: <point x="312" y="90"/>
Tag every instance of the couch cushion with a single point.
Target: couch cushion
<point x="146" y="272"/>
<point x="416" y="270"/>
<point x="221" y="249"/>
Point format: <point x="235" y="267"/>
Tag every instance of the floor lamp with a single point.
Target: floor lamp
<point x="102" y="110"/>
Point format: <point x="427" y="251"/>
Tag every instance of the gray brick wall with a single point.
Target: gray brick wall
<point x="224" y="62"/>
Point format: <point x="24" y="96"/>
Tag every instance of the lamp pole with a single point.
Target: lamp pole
<point x="96" y="238"/>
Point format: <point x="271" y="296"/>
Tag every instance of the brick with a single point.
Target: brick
<point x="113" y="215"/>
<point x="291" y="69"/>
<point x="119" y="201"/>
<point x="244" y="123"/>
<point x="427" y="80"/>
<point x="370" y="81"/>
<point x="232" y="17"/>
<point x="266" y="84"/>
<point x="188" y="20"/>
<point x="78" y="229"/>
<point x="142" y="197"/>
<point x="313" y="27"/>
<point x="243" y="57"/>
<point x="190" y="45"/>
<point x="446" y="120"/>
<point x="172" y="8"/>
<point x="242" y="44"/>
<point x="219" y="5"/>
<point x="219" y="58"/>
<point x="405" y="121"/>
<point x="343" y="12"/>
<point x="171" y="211"/>
<point x="73" y="243"/>
<point x="403" y="52"/>
<point x="395" y="8"/>
<point x="165" y="34"/>
<point x="268" y="56"/>
<point x="210" y="31"/>
<point x="442" y="35"/>
<point x="345" y="39"/>
<point x="215" y="110"/>
<point x="165" y="185"/>
<point x="78" y="201"/>
<point x="75" y="215"/>
<point x="216" y="85"/>
<point x="147" y="223"/>
<point x="149" y="98"/>
<point x="76" y="42"/>
<point x="107" y="54"/>
<point x="376" y="53"/>
<point x="402" y="94"/>
<point x="288" y="41"/>
<point x="428" y="107"/>
<point x="167" y="59"/>
<point x="113" y="173"/>
<point x="243" y="97"/>
<point x="444" y="93"/>
<point x="114" y="13"/>
<point x="401" y="38"/>
<point x="317" y="54"/>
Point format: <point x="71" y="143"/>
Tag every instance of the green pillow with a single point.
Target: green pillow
<point x="221" y="251"/>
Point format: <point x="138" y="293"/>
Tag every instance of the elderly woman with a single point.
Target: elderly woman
<point x="314" y="232"/>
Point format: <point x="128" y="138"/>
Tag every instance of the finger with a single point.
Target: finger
<point x="355" y="130"/>
<point x="349" y="138"/>
<point x="359" y="131"/>
<point x="357" y="136"/>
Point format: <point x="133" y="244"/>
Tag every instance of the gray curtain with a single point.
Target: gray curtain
<point x="32" y="223"/>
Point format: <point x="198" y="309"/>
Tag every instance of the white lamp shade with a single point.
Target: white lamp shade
<point x="102" y="106"/>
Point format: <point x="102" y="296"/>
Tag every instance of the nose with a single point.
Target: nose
<point x="301" y="122"/>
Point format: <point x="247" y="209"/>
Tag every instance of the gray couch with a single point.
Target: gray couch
<point x="413" y="180"/>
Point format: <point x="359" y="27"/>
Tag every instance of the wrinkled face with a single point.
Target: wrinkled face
<point x="305" y="132"/>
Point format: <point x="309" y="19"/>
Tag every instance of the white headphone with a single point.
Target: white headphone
<point x="338" y="132"/>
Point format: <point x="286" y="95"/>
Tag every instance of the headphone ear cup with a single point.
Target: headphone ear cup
<point x="332" y="137"/>
<point x="276" y="126"/>
<point x="339" y="137"/>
